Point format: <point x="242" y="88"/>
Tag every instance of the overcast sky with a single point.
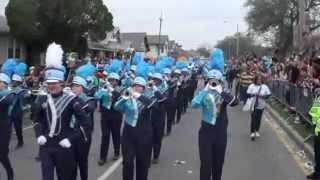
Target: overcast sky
<point x="190" y="22"/>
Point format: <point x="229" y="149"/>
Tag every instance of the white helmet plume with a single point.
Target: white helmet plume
<point x="54" y="56"/>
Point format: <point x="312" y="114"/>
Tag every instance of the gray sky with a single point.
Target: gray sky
<point x="190" y="22"/>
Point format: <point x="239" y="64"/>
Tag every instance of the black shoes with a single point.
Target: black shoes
<point x="102" y="162"/>
<point x="116" y="157"/>
<point x="19" y="145"/>
<point x="155" y="161"/>
<point x="314" y="176"/>
<point x="38" y="159"/>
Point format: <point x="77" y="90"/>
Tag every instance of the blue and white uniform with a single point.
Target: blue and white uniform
<point x="213" y="132"/>
<point x="137" y="133"/>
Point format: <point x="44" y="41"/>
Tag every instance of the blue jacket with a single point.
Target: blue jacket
<point x="107" y="101"/>
<point x="214" y="107"/>
<point x="137" y="111"/>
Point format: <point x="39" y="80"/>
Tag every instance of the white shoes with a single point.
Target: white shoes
<point x="253" y="136"/>
<point x="257" y="134"/>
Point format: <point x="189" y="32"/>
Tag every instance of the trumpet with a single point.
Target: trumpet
<point x="127" y="93"/>
<point x="37" y="92"/>
<point x="41" y="91"/>
<point x="151" y="84"/>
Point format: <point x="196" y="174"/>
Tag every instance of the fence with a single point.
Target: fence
<point x="293" y="96"/>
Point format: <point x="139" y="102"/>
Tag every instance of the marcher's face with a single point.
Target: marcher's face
<point x="54" y="87"/>
<point x="3" y="85"/>
<point x="15" y="83"/>
<point x="138" y="88"/>
<point x="77" y="89"/>
<point x="157" y="81"/>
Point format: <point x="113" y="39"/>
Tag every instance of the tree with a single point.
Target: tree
<point x="65" y="22"/>
<point x="246" y="45"/>
<point x="279" y="17"/>
<point x="203" y="51"/>
<point x="23" y="21"/>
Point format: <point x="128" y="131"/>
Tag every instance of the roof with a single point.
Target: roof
<point x="137" y="40"/>
<point x="154" y="39"/>
<point x="109" y="46"/>
<point x="4" y="28"/>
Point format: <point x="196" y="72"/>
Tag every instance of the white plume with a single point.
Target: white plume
<point x="54" y="56"/>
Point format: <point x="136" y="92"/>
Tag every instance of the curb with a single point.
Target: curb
<point x="296" y="137"/>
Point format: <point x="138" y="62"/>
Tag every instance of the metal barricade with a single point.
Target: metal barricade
<point x="295" y="98"/>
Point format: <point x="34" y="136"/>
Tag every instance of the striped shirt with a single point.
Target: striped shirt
<point x="246" y="79"/>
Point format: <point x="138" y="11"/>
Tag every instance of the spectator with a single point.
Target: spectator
<point x="246" y="78"/>
<point x="260" y="92"/>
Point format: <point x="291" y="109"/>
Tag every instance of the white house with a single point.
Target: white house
<point x="158" y="45"/>
<point x="9" y="46"/>
<point x="137" y="40"/>
<point x="109" y="45"/>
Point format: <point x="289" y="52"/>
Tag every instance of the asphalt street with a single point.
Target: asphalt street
<point x="265" y="159"/>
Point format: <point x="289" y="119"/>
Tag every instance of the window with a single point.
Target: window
<point x="17" y="50"/>
<point x="10" y="47"/>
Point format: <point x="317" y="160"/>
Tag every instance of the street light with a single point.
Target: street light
<point x="237" y="37"/>
<point x="159" y="46"/>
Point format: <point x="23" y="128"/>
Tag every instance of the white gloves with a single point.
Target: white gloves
<point x="65" y="143"/>
<point x="155" y="88"/>
<point x="136" y="95"/>
<point x="42" y="140"/>
<point x="217" y="88"/>
<point x="109" y="86"/>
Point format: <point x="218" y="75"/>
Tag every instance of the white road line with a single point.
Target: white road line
<point x="27" y="128"/>
<point x="24" y="129"/>
<point x="288" y="146"/>
<point x="111" y="169"/>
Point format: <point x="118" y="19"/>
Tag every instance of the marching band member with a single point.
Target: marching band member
<point x="171" y="103"/>
<point x="111" y="119"/>
<point x="179" y="99"/>
<point x="20" y="101"/>
<point x="159" y="88"/>
<point x="213" y="132"/>
<point x="53" y="119"/>
<point x="6" y="98"/>
<point x="79" y="87"/>
<point x="185" y="88"/>
<point x="213" y="100"/>
<point x="137" y="132"/>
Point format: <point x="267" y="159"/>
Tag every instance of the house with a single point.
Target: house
<point x="158" y="44"/>
<point x="137" y="40"/>
<point x="9" y="46"/>
<point x="108" y="46"/>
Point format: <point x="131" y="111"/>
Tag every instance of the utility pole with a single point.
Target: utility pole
<point x="237" y="40"/>
<point x="159" y="45"/>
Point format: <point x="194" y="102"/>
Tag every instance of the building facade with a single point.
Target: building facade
<point x="158" y="45"/>
<point x="9" y="46"/>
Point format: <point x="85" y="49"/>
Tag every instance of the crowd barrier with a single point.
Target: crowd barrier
<point x="296" y="98"/>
